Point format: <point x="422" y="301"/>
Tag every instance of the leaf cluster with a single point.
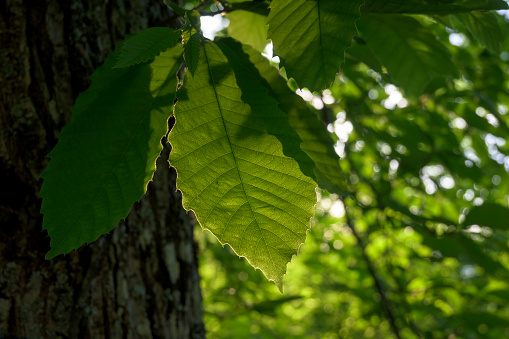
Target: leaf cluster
<point x="250" y="153"/>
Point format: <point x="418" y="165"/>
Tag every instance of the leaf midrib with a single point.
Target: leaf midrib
<point x="213" y="83"/>
<point x="322" y="63"/>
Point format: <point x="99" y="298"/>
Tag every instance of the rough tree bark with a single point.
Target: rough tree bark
<point x="140" y="281"/>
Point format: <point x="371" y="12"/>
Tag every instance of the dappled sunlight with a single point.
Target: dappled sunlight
<point x="269" y="53"/>
<point x="210" y="25"/>
<point x="395" y="98"/>
<point x="458" y="39"/>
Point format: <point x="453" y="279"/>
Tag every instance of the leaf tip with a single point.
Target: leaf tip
<point x="279" y="284"/>
<point x="51" y="254"/>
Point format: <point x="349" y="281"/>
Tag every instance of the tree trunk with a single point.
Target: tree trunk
<point x="141" y="280"/>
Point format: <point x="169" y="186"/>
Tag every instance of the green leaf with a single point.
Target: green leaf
<point x="480" y="255"/>
<point x="316" y="140"/>
<point x="458" y="245"/>
<point x="106" y="154"/>
<point x="258" y="7"/>
<point x="431" y="6"/>
<point x="412" y="54"/>
<point x="146" y="45"/>
<point x="310" y="37"/>
<point x="249" y="28"/>
<point x="484" y="28"/>
<point x="489" y="214"/>
<point x="193" y="19"/>
<point x="269" y="307"/>
<point x="180" y="11"/>
<point x="192" y="42"/>
<point x="239" y="165"/>
<point x="359" y="52"/>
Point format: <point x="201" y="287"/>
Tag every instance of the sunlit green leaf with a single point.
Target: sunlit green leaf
<point x="249" y="28"/>
<point x="239" y="164"/>
<point x="316" y="140"/>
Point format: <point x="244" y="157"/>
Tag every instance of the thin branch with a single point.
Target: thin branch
<point x="386" y="304"/>
<point x="401" y="289"/>
<point x="202" y="5"/>
<point x="223" y="12"/>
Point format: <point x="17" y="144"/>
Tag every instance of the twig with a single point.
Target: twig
<point x="386" y="305"/>
<point x="202" y="5"/>
<point x="402" y="291"/>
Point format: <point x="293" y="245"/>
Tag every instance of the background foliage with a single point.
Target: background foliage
<point x="420" y="249"/>
<point x="409" y="240"/>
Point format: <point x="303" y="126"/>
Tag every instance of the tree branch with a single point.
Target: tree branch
<point x="386" y="305"/>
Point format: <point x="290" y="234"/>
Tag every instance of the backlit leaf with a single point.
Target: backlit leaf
<point x="310" y="37"/>
<point x="249" y="28"/>
<point x="316" y="140"/>
<point x="239" y="164"/>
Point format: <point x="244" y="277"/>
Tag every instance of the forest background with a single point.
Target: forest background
<point x="374" y="269"/>
<point x="415" y="246"/>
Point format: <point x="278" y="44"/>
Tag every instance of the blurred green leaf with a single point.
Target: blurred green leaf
<point x="269" y="306"/>
<point x="484" y="28"/>
<point x="258" y="7"/>
<point x="489" y="214"/>
<point x="409" y="50"/>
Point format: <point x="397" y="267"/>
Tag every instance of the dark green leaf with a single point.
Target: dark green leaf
<point x="193" y="20"/>
<point x="411" y="52"/>
<point x="431" y="6"/>
<point x="146" y="45"/>
<point x="361" y="53"/>
<point x="484" y="28"/>
<point x="258" y="7"/>
<point x="192" y="50"/>
<point x="489" y="214"/>
<point x="269" y="306"/>
<point x="311" y="37"/>
<point x="106" y="154"/>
